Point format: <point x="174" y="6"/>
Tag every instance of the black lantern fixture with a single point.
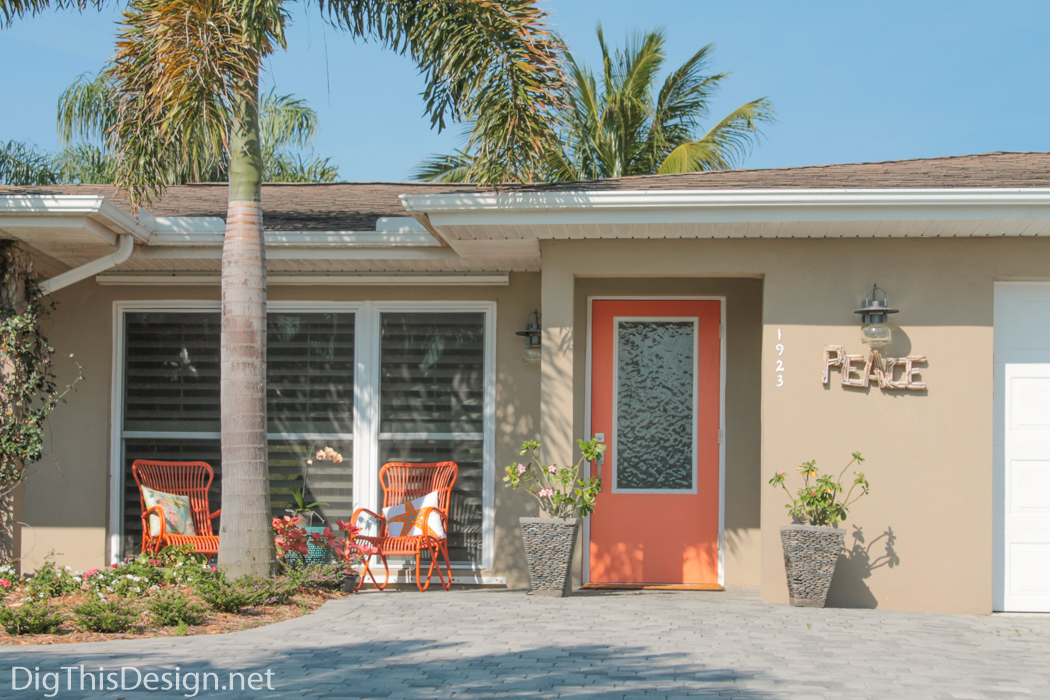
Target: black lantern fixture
<point x="533" y="331"/>
<point x="874" y="315"/>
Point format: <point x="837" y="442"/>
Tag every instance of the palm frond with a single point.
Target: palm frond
<point x="455" y="167"/>
<point x="725" y="145"/>
<point x="491" y="62"/>
<point x="87" y="109"/>
<point x="286" y="121"/>
<point x="281" y="166"/>
<point x="14" y="9"/>
<point x="83" y="164"/>
<point x="22" y="163"/>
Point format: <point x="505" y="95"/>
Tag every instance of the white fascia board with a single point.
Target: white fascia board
<point x="276" y="279"/>
<point x="213" y="252"/>
<point x="304" y="238"/>
<point x="69" y="205"/>
<point x="528" y="248"/>
<point x="716" y="206"/>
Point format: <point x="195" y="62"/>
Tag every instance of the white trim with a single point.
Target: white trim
<point x="66" y="205"/>
<point x="713" y="205"/>
<point x="488" y="308"/>
<point x="721" y="418"/>
<point x="432" y="436"/>
<point x="617" y="320"/>
<point x="436" y="279"/>
<point x="359" y="239"/>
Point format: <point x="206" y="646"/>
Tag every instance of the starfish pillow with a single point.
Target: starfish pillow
<point x="412" y="519"/>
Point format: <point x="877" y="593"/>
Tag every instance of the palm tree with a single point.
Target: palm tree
<point x="87" y="113"/>
<point x="626" y="126"/>
<point x="187" y="76"/>
<point x="23" y="163"/>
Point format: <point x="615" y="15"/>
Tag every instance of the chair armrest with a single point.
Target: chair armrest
<point x="377" y="516"/>
<point x="163" y="521"/>
<point x="215" y="514"/>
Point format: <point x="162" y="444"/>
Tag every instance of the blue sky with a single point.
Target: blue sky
<point x="850" y="81"/>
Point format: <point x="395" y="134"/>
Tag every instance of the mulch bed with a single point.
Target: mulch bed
<point x="216" y="623"/>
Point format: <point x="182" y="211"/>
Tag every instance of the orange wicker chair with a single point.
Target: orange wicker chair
<point x="403" y="482"/>
<point x="191" y="479"/>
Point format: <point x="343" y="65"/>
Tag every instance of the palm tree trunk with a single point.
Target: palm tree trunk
<point x="246" y="538"/>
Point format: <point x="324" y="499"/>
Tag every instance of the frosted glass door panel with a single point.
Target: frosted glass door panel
<point x="655" y="412"/>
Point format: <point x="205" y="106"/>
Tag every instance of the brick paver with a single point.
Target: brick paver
<point x="496" y="644"/>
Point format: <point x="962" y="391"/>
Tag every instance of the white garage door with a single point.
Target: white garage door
<point x="1022" y="447"/>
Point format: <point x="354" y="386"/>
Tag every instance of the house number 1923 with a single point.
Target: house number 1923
<point x="780" y="363"/>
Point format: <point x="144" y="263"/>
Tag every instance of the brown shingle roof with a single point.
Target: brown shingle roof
<point x="356" y="206"/>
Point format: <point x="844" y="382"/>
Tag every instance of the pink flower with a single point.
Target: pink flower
<point x="320" y="454"/>
<point x="552" y="469"/>
<point x="521" y="469"/>
<point x="546" y="493"/>
<point x="89" y="574"/>
<point x="4" y="583"/>
<point x="113" y="566"/>
<point x="212" y="569"/>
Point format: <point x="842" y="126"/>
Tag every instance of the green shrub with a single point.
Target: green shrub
<point x="116" y="615"/>
<point x="327" y="577"/>
<point x="172" y="609"/>
<point x="225" y="596"/>
<point x="269" y="591"/>
<point x="52" y="581"/>
<point x="34" y="617"/>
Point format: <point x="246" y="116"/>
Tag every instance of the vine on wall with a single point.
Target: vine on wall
<point x="30" y="390"/>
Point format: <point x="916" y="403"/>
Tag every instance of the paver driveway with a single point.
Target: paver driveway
<point x="480" y="644"/>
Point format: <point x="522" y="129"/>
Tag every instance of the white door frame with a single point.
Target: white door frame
<point x="586" y="554"/>
<point x="1004" y="292"/>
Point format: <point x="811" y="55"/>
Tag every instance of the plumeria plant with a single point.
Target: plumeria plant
<point x="561" y="491"/>
<point x="820" y="500"/>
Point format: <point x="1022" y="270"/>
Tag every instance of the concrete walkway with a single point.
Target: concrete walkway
<point x="481" y="644"/>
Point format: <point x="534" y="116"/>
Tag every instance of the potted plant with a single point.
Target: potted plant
<point x="293" y="541"/>
<point x="565" y="497"/>
<point x="305" y="511"/>
<point x="812" y="544"/>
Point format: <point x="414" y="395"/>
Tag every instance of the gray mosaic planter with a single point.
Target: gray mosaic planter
<point x="810" y="556"/>
<point x="549" y="544"/>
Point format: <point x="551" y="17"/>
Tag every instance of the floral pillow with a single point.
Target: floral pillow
<point x="178" y="518"/>
<point x="407" y="520"/>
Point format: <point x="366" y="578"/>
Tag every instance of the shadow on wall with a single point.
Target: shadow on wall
<point x="424" y="668"/>
<point x="848" y="589"/>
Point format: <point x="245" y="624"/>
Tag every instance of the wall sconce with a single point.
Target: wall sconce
<point x="874" y="315"/>
<point x="532" y="334"/>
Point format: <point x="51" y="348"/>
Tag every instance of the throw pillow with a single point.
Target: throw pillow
<point x="406" y="520"/>
<point x="178" y="518"/>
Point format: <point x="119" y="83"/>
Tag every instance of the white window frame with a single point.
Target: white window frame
<point x="366" y="404"/>
<point x="614" y="438"/>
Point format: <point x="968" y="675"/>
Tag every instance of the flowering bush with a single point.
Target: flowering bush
<point x="819" y="502"/>
<point x="561" y="491"/>
<point x="53" y="581"/>
<point x="117" y="615"/>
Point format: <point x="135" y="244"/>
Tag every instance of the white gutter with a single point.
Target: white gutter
<point x="700" y="206"/>
<point x="124" y="250"/>
<point x="75" y="205"/>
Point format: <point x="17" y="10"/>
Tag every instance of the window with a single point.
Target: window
<point x="428" y="367"/>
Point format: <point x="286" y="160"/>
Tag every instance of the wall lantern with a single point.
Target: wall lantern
<point x="532" y="334"/>
<point x="874" y="314"/>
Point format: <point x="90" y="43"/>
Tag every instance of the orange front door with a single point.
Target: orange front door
<point x="655" y="392"/>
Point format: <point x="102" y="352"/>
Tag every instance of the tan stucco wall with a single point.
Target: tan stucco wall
<point x="926" y="528"/>
<point x="67" y="494"/>
<point x="743" y="395"/>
